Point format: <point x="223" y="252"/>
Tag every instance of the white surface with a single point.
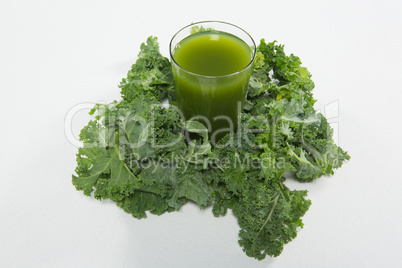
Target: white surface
<point x="58" y="54"/>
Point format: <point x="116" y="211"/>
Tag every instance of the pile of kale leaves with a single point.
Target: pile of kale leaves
<point x="136" y="151"/>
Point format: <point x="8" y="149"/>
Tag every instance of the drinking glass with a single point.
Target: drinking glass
<point x="214" y="100"/>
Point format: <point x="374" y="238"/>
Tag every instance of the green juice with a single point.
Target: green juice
<point x="211" y="73"/>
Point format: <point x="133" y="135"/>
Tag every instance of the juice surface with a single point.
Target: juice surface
<point x="211" y="82"/>
<point x="212" y="53"/>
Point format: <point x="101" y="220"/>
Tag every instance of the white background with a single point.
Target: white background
<point x="55" y="55"/>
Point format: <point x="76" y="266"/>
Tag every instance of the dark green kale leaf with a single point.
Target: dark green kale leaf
<point x="150" y="76"/>
<point x="139" y="202"/>
<point x="298" y="134"/>
<point x="269" y="214"/>
<point x="313" y="152"/>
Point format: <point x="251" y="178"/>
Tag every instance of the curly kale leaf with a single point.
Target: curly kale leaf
<point x="313" y="151"/>
<point x="269" y="215"/>
<point x="150" y="76"/>
<point x="281" y="92"/>
<point x="106" y="166"/>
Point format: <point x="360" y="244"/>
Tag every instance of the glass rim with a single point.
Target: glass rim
<point x="213" y="76"/>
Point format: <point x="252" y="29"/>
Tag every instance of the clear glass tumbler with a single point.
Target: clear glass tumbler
<point x="212" y="62"/>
